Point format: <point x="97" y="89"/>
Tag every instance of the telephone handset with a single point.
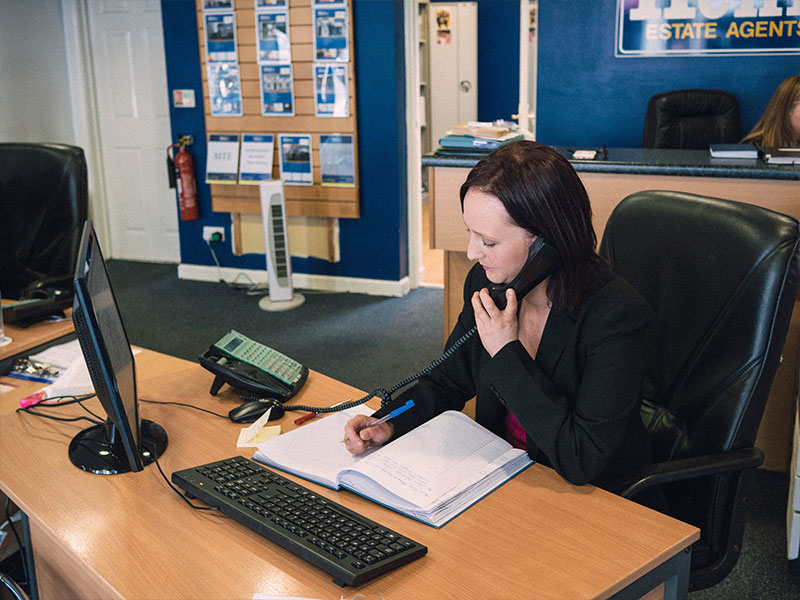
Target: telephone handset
<point x="542" y="260"/>
<point x="252" y="367"/>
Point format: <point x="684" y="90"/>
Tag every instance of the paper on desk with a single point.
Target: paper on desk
<point x="60" y="356"/>
<point x="75" y="379"/>
<point x="252" y="436"/>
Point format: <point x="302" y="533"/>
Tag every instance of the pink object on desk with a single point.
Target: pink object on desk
<point x="31" y="400"/>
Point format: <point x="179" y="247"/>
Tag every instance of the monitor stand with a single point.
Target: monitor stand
<point x="91" y="449"/>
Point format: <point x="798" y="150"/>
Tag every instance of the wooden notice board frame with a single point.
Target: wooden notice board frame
<point x="316" y="200"/>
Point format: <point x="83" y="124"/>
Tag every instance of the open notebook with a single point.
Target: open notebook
<point x="431" y="474"/>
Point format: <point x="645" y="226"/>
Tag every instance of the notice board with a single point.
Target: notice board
<point x="306" y="29"/>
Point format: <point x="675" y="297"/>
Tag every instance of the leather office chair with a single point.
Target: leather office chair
<point x="722" y="277"/>
<point x="43" y="204"/>
<point x="12" y="587"/>
<point x="691" y="119"/>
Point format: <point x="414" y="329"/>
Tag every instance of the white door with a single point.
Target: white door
<point x="453" y="48"/>
<point x="127" y="48"/>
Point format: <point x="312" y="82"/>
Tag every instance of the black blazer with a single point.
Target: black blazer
<point x="578" y="401"/>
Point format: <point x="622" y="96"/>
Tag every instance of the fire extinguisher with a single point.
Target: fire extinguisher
<point x="181" y="170"/>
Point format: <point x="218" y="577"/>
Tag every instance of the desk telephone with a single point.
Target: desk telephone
<point x="252" y="367"/>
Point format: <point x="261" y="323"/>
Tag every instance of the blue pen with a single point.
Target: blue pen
<point x="391" y="415"/>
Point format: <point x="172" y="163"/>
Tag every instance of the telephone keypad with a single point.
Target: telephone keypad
<point x="261" y="356"/>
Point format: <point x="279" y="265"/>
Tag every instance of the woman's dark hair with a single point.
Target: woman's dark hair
<point x="542" y="193"/>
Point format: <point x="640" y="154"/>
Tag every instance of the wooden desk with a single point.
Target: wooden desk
<point x="129" y="536"/>
<point x="626" y="172"/>
<point x="30" y="339"/>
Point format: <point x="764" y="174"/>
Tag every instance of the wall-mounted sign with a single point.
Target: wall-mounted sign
<point x="707" y="27"/>
<point x="183" y="98"/>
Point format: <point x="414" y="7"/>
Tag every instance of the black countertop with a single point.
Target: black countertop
<point x="643" y="161"/>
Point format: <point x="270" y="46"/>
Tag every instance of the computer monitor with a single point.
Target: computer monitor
<point x="124" y="442"/>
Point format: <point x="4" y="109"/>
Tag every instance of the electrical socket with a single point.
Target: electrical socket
<point x="213" y="234"/>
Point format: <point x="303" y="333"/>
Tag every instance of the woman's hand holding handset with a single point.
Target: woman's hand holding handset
<point x="496" y="327"/>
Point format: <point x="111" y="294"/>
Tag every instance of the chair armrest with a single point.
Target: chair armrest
<point x="689" y="468"/>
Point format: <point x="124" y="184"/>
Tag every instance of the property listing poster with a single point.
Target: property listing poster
<point x="337" y="160"/>
<point x="224" y="89"/>
<point x="331" y="94"/>
<point x="330" y="33"/>
<point x="218" y="5"/>
<point x="277" y="91"/>
<point x="272" y="37"/>
<point x="220" y="29"/>
<point x="296" y="159"/>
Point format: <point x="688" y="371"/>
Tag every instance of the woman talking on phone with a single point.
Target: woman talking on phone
<point x="557" y="372"/>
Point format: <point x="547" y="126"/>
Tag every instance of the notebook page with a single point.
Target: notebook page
<point x="314" y="451"/>
<point x="438" y="458"/>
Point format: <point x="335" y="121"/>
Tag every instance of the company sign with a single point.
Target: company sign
<point x="707" y="27"/>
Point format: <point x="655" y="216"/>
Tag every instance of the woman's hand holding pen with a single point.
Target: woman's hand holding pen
<point x="360" y="435"/>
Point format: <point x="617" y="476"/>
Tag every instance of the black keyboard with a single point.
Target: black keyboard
<point x="343" y="543"/>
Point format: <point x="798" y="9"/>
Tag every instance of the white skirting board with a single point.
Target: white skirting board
<point x="321" y="283"/>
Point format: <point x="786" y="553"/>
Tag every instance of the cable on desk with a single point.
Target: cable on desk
<point x="78" y="400"/>
<point x="175" y="489"/>
<point x="72" y="399"/>
<point x="45" y="403"/>
<point x="211" y="412"/>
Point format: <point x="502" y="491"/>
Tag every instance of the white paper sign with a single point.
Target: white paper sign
<point x="255" y="164"/>
<point x="223" y="158"/>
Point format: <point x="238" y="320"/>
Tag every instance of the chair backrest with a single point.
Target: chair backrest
<point x="691" y="119"/>
<point x="722" y="278"/>
<point x="43" y="204"/>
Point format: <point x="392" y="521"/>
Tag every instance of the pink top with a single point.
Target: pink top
<point x="515" y="434"/>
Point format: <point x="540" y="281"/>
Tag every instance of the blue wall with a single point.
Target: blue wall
<point x="498" y="59"/>
<point x="586" y="96"/>
<point x="373" y="246"/>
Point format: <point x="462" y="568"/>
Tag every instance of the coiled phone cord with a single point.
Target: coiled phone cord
<point x="386" y="395"/>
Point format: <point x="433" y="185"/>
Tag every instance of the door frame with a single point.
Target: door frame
<point x="85" y="117"/>
<point x="413" y="142"/>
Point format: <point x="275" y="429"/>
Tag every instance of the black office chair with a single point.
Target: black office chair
<point x="722" y="277"/>
<point x="12" y="587"/>
<point x="43" y="204"/>
<point x="691" y="119"/>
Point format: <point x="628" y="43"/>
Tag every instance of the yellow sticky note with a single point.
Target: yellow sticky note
<point x="257" y="433"/>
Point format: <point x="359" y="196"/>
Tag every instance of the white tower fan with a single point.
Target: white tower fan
<point x="279" y="267"/>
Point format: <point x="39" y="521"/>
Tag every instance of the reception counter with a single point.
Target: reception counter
<point x="612" y="176"/>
